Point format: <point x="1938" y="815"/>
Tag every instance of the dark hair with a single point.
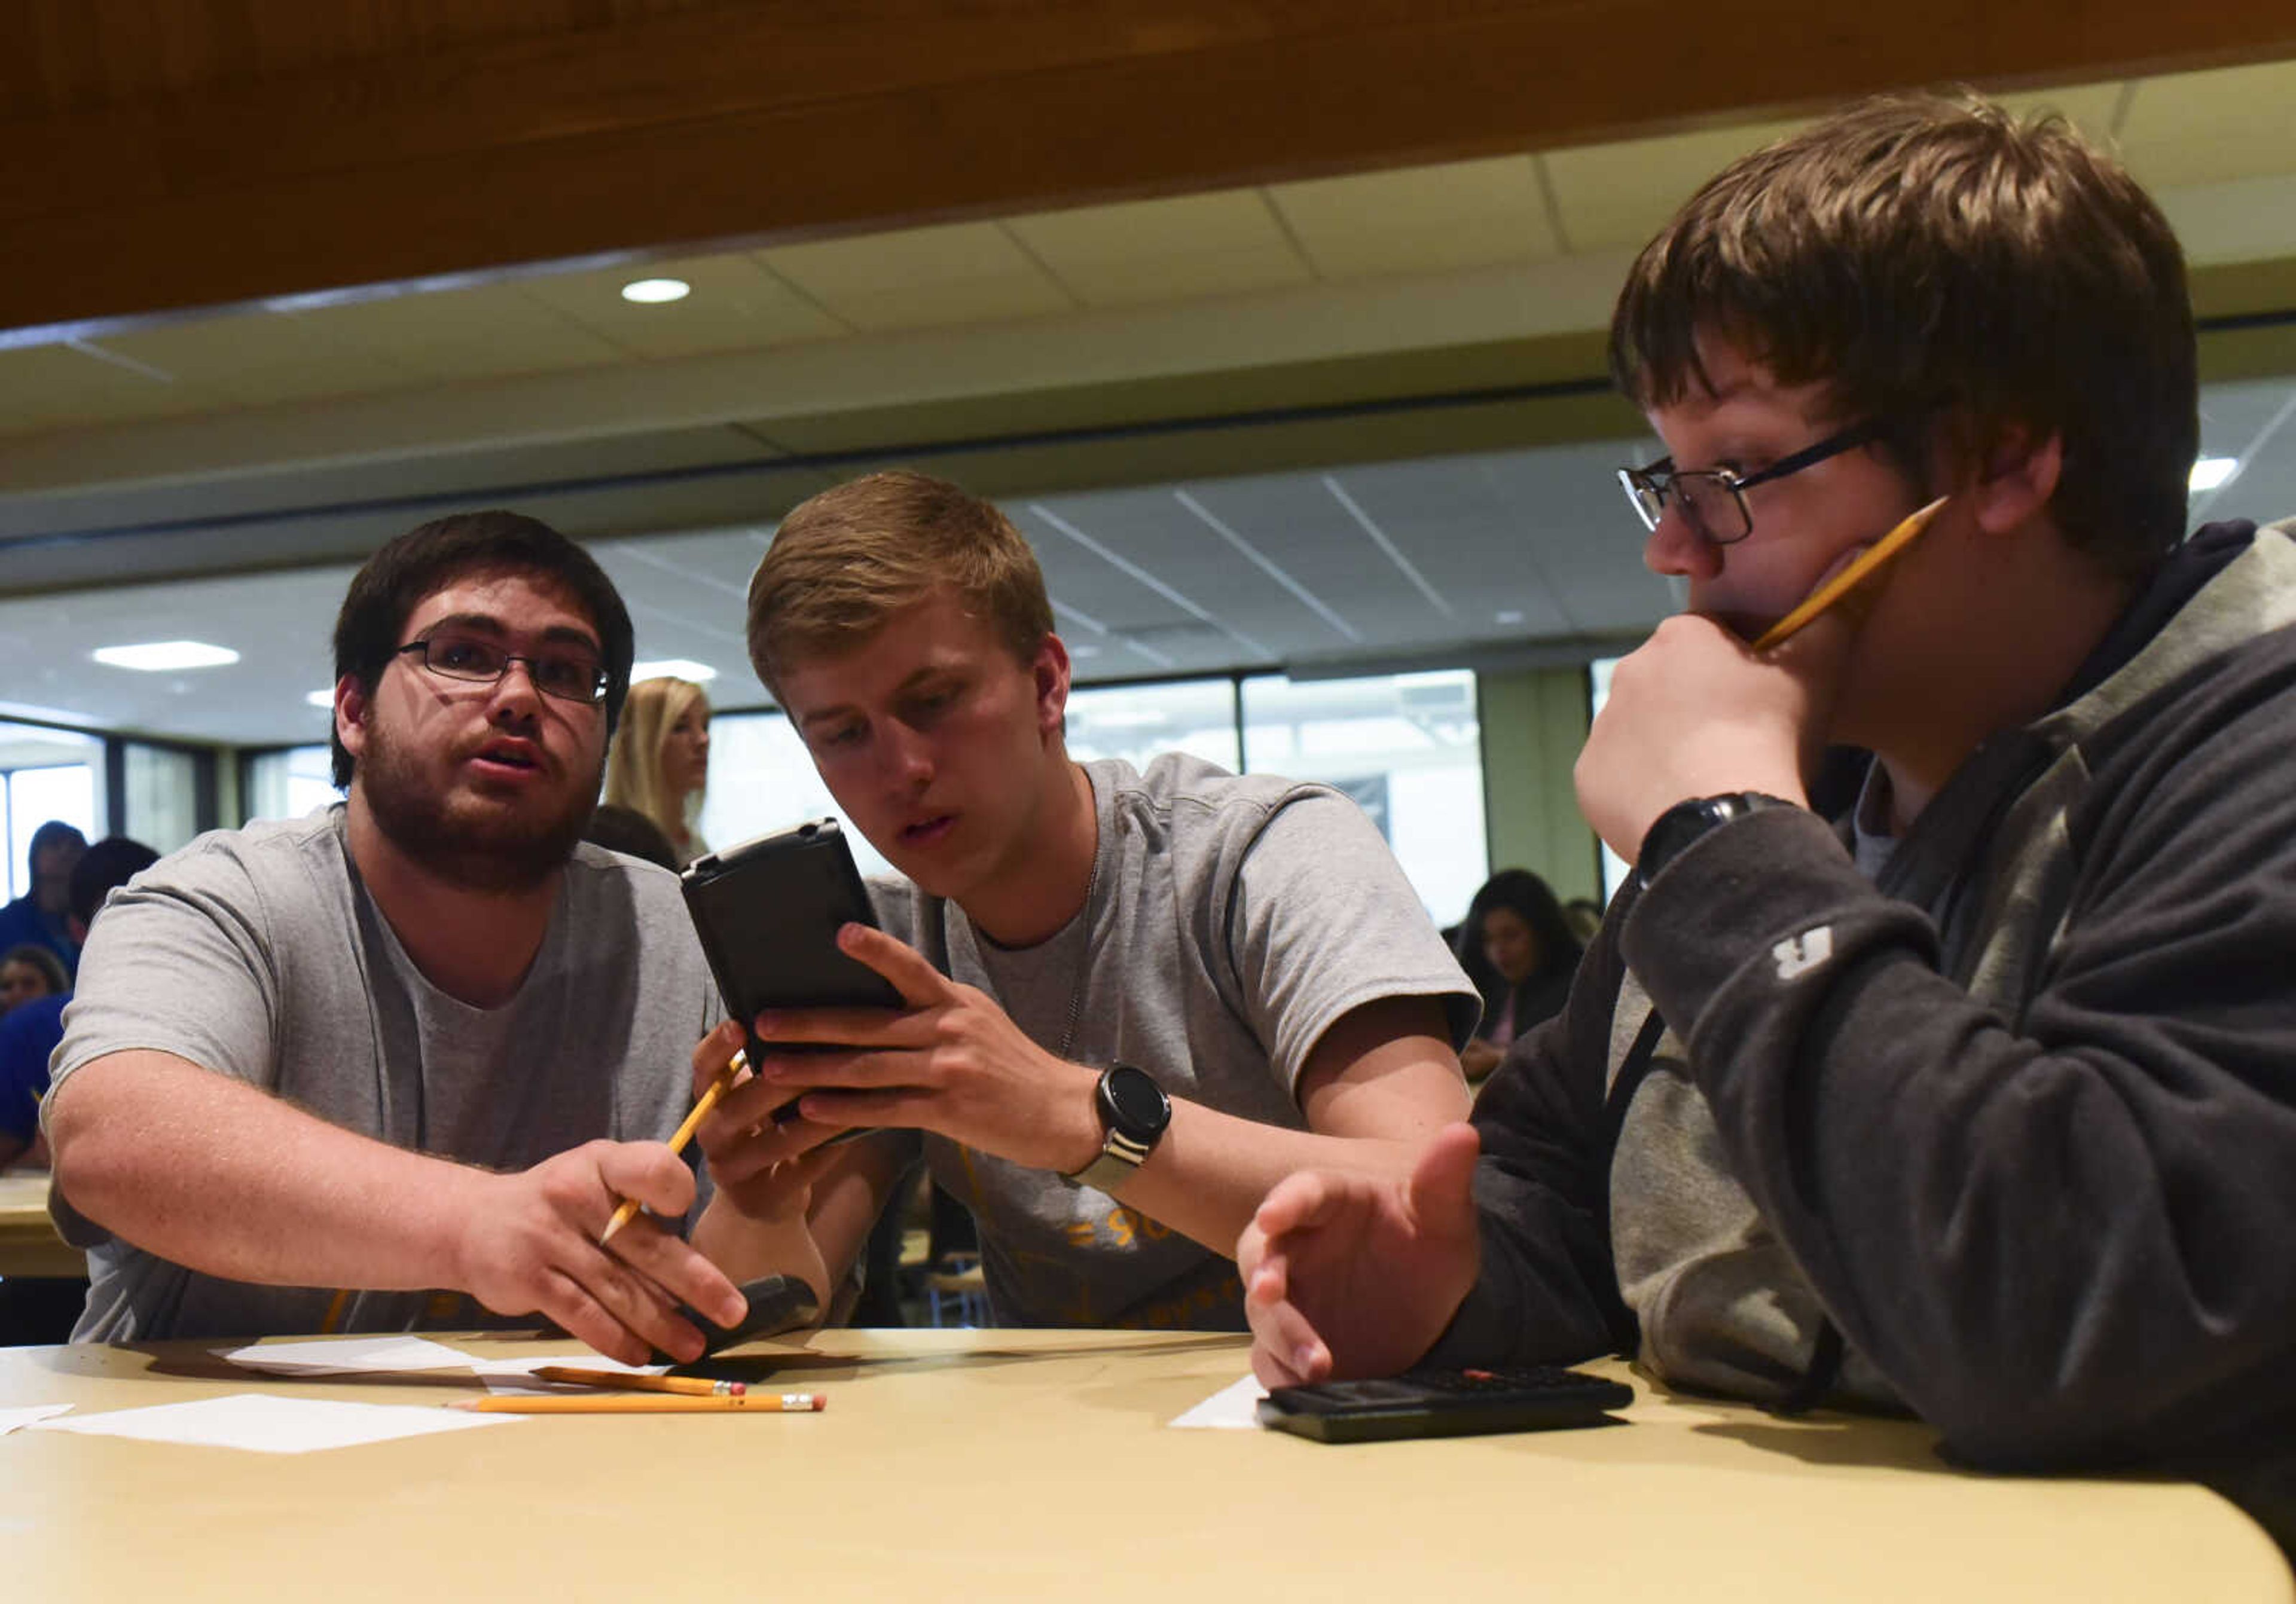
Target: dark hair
<point x="424" y="560"/>
<point x="1531" y="900"/>
<point x="51" y="967"/>
<point x="1924" y="253"/>
<point x="111" y="863"/>
<point x="620" y="829"/>
<point x="46" y="836"/>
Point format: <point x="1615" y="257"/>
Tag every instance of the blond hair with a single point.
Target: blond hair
<point x="633" y="775"/>
<point x="847" y="558"/>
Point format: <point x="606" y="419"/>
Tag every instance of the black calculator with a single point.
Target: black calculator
<point x="1432" y="1402"/>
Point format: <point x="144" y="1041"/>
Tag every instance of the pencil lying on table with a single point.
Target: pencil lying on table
<point x="644" y="1404"/>
<point x="683" y="1134"/>
<point x="1849" y="579"/>
<point x="691" y="1387"/>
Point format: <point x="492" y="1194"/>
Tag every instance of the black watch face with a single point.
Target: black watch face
<point x="1140" y="1105"/>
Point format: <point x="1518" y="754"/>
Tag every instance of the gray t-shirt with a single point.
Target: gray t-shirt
<point x="258" y="953"/>
<point x="1233" y="920"/>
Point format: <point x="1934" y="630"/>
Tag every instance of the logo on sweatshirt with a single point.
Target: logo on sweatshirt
<point x="1796" y="956"/>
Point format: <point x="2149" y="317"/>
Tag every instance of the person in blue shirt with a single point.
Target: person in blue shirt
<point x="29" y="1032"/>
<point x="42" y="916"/>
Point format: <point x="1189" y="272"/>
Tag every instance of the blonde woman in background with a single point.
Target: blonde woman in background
<point x="660" y="763"/>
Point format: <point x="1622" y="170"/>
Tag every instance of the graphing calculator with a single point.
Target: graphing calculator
<point x="1429" y="1402"/>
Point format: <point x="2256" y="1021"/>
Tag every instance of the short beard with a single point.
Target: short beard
<point x="492" y="853"/>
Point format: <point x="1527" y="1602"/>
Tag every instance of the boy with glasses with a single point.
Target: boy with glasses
<point x="395" y="1065"/>
<point x="1971" y="1094"/>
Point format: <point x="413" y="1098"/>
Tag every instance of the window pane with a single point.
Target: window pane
<point x="163" y="801"/>
<point x="760" y="779"/>
<point x="1136" y="723"/>
<point x="44" y="774"/>
<point x="1407" y="747"/>
<point x="289" y="784"/>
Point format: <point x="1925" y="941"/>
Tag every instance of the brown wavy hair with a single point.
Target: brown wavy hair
<point x="1932" y="252"/>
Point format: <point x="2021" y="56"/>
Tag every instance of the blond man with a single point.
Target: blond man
<point x="1136" y="999"/>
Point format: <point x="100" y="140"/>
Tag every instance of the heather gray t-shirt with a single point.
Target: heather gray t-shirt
<point x="1233" y="920"/>
<point x="259" y="954"/>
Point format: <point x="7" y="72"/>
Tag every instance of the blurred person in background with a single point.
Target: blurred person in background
<point x="1520" y="951"/>
<point x="28" y="973"/>
<point x="40" y="917"/>
<point x="660" y="763"/>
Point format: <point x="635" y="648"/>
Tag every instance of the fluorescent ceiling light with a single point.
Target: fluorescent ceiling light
<point x="1509" y="617"/>
<point x="685" y="668"/>
<point x="652" y="292"/>
<point x="2213" y="474"/>
<point x="161" y="657"/>
<point x="320" y="699"/>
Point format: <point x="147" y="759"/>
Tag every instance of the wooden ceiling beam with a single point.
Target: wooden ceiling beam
<point x="390" y="159"/>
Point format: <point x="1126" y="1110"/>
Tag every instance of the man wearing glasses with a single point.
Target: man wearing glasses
<point x="1967" y="1091"/>
<point x="395" y="1064"/>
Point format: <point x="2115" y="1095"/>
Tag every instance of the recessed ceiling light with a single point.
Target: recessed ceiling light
<point x="2213" y="474"/>
<point x="1509" y="617"/>
<point x="162" y="657"/>
<point x="652" y="292"/>
<point x="320" y="699"/>
<point x="1082" y="650"/>
<point x="685" y="668"/>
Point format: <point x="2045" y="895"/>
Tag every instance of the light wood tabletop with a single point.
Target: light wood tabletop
<point x="1033" y="1465"/>
<point x="28" y="1242"/>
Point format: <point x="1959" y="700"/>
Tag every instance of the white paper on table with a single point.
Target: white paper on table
<point x="1234" y="1408"/>
<point x="16" y="1420"/>
<point x="348" y="1356"/>
<point x="515" y="1375"/>
<point x="268" y="1423"/>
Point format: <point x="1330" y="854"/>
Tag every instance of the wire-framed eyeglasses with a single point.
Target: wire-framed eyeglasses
<point x="1713" y="500"/>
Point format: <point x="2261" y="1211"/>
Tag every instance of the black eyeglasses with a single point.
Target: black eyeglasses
<point x="568" y="673"/>
<point x="1713" y="500"/>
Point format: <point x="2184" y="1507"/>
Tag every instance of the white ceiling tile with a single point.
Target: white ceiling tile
<point x="736" y="304"/>
<point x="253" y="358"/>
<point x="1170" y="250"/>
<point x="1426" y="219"/>
<point x="1619" y="195"/>
<point x="44" y="387"/>
<point x="2205" y="127"/>
<point x="485" y="331"/>
<point x="952" y="274"/>
<point x="2244" y="220"/>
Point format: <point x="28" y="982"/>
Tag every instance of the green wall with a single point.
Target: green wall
<point x="1534" y="721"/>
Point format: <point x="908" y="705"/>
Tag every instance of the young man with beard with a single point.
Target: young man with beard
<point x="1136" y="999"/>
<point x="1973" y="1097"/>
<point x="394" y="1065"/>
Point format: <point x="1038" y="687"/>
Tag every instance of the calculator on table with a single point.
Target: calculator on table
<point x="1440" y="1403"/>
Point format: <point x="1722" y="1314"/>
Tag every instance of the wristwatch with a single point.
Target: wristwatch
<point x="1686" y="822"/>
<point x="1134" y="1112"/>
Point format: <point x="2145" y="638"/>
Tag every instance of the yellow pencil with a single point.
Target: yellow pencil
<point x="1849" y="579"/>
<point x="683" y="1134"/>
<point x="691" y="1387"/>
<point x="645" y="1403"/>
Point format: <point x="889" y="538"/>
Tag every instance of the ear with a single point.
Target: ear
<point x="2012" y="485"/>
<point x="1049" y="671"/>
<point x="351" y="705"/>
